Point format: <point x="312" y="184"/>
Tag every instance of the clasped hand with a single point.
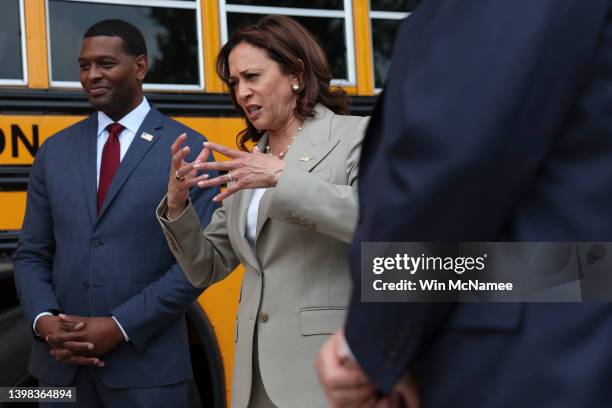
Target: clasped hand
<point x="80" y="340"/>
<point x="346" y="385"/>
<point x="244" y="170"/>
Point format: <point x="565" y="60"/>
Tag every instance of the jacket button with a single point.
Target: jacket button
<point x="95" y="243"/>
<point x="84" y="285"/>
<point x="263" y="317"/>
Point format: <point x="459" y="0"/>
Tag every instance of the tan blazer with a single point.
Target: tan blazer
<point x="296" y="284"/>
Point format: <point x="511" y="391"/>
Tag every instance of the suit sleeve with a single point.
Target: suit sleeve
<point x="161" y="303"/>
<point x="33" y="259"/>
<point x="309" y="201"/>
<point x="478" y="92"/>
<point x="206" y="255"/>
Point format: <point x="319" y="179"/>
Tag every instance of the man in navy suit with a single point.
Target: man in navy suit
<point x="93" y="270"/>
<point x="494" y="126"/>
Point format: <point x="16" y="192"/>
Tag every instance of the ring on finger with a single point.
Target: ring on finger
<point x="229" y="176"/>
<point x="178" y="177"/>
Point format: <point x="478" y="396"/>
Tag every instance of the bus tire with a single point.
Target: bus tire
<point x="206" y="360"/>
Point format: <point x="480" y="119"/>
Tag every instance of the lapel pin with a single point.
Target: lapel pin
<point x="305" y="158"/>
<point x="146" y="136"/>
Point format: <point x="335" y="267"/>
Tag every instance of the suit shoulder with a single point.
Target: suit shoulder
<point x="352" y="119"/>
<point x="67" y="140"/>
<point x="349" y="126"/>
<point x="69" y="134"/>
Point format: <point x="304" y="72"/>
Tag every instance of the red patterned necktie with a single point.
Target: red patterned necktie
<point x="110" y="161"/>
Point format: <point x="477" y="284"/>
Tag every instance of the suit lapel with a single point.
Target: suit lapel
<point x="313" y="144"/>
<point x="87" y="163"/>
<point x="152" y="124"/>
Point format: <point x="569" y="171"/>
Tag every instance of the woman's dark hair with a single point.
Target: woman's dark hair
<point x="297" y="52"/>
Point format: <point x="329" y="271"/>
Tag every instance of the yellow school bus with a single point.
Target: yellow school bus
<point x="40" y="95"/>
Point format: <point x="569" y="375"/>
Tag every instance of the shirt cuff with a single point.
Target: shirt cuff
<point x="346" y="350"/>
<point x="121" y="328"/>
<point x="36" y="320"/>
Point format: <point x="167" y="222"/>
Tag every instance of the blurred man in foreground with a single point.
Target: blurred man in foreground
<point x="494" y="126"/>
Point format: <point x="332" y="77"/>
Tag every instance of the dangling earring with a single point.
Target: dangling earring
<point x="295" y="87"/>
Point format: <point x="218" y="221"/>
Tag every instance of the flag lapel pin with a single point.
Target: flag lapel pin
<point x="146" y="136"/>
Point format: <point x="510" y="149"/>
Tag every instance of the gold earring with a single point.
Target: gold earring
<point x="295" y="87"/>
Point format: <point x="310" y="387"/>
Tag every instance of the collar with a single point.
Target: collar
<point x="316" y="129"/>
<point x="131" y="121"/>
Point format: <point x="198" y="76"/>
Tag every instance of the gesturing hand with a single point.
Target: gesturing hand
<point x="246" y="169"/>
<point x="183" y="176"/>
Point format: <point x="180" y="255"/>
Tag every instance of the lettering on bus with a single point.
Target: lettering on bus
<point x="18" y="138"/>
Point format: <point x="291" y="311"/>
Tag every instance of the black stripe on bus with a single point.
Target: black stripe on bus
<point x="8" y="242"/>
<point x="14" y="178"/>
<point x="34" y="101"/>
<point x="40" y="102"/>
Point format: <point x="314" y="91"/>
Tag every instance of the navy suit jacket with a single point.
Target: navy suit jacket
<point x="72" y="260"/>
<point x="495" y="125"/>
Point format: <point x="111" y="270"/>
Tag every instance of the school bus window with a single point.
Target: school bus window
<point x="12" y="44"/>
<point x="386" y="17"/>
<point x="172" y="31"/>
<point x="331" y="22"/>
<point x="313" y="4"/>
<point x="327" y="30"/>
<point x="402" y="6"/>
<point x="383" y="34"/>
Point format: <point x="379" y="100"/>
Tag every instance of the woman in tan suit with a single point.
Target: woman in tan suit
<point x="288" y="214"/>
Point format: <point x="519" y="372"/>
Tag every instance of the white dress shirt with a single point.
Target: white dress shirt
<point x="131" y="123"/>
<point x="251" y="219"/>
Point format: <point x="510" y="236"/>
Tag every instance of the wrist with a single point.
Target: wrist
<point x="173" y="211"/>
<point x="173" y="214"/>
<point x="41" y="328"/>
<point x="119" y="336"/>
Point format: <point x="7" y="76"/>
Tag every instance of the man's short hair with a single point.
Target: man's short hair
<point x="133" y="40"/>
